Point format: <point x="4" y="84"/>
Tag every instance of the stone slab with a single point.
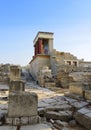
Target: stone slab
<point x="49" y="100"/>
<point x="62" y="115"/>
<point x="79" y="104"/>
<point x="70" y="100"/>
<point x="32" y="127"/>
<point x="37" y="127"/>
<point x="83" y="120"/>
<point x="84" y="111"/>
<point x="22" y="104"/>
<point x="42" y="104"/>
<point x="88" y="114"/>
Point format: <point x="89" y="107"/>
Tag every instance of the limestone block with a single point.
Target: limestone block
<point x="77" y="88"/>
<point x="14" y="72"/>
<point x="17" y="85"/>
<point x="62" y="107"/>
<point x="63" y="116"/>
<point x="88" y="94"/>
<point x="22" y="104"/>
<point x="83" y="119"/>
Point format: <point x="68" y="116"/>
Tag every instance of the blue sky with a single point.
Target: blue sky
<point x="20" y="20"/>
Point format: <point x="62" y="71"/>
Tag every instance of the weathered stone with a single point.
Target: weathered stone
<point x="42" y="104"/>
<point x="84" y="111"/>
<point x="61" y="123"/>
<point x="49" y="100"/>
<point x="83" y="119"/>
<point x="22" y="120"/>
<point x="59" y="107"/>
<point x="14" y="72"/>
<point x="79" y="104"/>
<point x="17" y="85"/>
<point x="78" y="88"/>
<point x="70" y="100"/>
<point x="58" y="116"/>
<point x="22" y="104"/>
<point x="88" y="94"/>
<point x="37" y="127"/>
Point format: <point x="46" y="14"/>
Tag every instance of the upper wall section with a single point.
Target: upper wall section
<point x="43" y="43"/>
<point x="46" y="35"/>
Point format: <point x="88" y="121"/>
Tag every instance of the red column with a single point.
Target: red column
<point x="40" y="46"/>
<point x="34" y="50"/>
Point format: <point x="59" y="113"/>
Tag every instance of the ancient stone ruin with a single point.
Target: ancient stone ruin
<point x="55" y="94"/>
<point x="22" y="106"/>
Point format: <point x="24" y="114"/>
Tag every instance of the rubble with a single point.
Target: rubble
<point x="45" y="78"/>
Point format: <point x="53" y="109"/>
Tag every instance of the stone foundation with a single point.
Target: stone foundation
<point x="22" y="120"/>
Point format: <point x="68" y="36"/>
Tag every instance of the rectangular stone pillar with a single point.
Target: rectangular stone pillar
<point x="50" y="46"/>
<point x="22" y="104"/>
<point x="17" y="86"/>
<point x="14" y="72"/>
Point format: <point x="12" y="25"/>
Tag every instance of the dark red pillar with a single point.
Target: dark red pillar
<point x="40" y="46"/>
<point x="34" y="50"/>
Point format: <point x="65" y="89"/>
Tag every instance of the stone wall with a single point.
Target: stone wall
<point x="81" y="84"/>
<point x="59" y="59"/>
<point x="45" y="78"/>
<point x="37" y="64"/>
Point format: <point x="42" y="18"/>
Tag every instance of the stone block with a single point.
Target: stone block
<point x="78" y="88"/>
<point x="88" y="94"/>
<point x="17" y="85"/>
<point x="79" y="104"/>
<point x="14" y="72"/>
<point x="22" y="104"/>
<point x="83" y="119"/>
<point x="62" y="115"/>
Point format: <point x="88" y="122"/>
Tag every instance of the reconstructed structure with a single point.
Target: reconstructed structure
<point x="64" y="67"/>
<point x="45" y="55"/>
